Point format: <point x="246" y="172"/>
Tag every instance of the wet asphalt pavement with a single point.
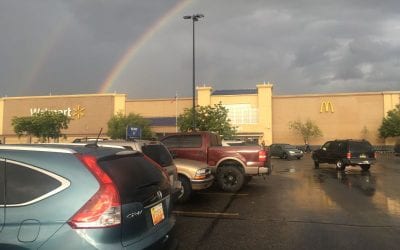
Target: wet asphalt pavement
<point x="299" y="207"/>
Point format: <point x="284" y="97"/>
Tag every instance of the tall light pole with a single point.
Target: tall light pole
<point x="194" y="19"/>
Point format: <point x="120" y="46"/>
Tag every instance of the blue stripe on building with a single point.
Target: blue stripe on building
<point x="234" y="92"/>
<point x="162" y="121"/>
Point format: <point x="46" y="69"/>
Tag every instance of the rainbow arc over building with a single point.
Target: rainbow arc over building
<point x="139" y="43"/>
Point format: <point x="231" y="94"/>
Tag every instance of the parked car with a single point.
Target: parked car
<point x="345" y="153"/>
<point x="285" y="151"/>
<point x="158" y="153"/>
<point x="234" y="166"/>
<point x="194" y="176"/>
<point x="82" y="197"/>
<point x="89" y="139"/>
<point x="397" y="148"/>
<point x="191" y="175"/>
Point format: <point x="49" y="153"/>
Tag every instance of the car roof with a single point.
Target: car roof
<point x="351" y="140"/>
<point x="135" y="145"/>
<point x="96" y="150"/>
<point x="29" y="147"/>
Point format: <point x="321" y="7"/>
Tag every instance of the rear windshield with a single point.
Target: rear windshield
<point x="360" y="146"/>
<point x="134" y="176"/>
<point x="158" y="153"/>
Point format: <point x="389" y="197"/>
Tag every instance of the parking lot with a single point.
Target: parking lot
<point x="298" y="207"/>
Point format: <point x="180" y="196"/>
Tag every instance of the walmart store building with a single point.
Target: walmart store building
<point x="257" y="113"/>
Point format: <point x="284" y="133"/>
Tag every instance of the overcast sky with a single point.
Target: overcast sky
<point x="144" y="47"/>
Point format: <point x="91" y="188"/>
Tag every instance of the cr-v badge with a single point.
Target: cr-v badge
<point x="134" y="214"/>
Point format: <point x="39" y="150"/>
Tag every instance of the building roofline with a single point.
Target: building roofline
<point x="159" y="99"/>
<point x="58" y="96"/>
<point x="337" y="94"/>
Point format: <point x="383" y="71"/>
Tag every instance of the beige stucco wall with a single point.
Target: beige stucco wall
<point x="150" y="108"/>
<point x="260" y="101"/>
<point x="119" y="103"/>
<point x="158" y="107"/>
<point x="1" y="115"/>
<point x="89" y="113"/>
<point x="354" y="115"/>
<point x="390" y="100"/>
<point x="351" y="114"/>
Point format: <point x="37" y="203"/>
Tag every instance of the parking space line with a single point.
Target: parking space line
<point x="206" y="214"/>
<point x="217" y="193"/>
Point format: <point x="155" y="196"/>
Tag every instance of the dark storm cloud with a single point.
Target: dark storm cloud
<point x="301" y="46"/>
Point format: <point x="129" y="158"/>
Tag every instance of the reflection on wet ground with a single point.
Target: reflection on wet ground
<point x="360" y="180"/>
<point x="362" y="197"/>
<point x="298" y="207"/>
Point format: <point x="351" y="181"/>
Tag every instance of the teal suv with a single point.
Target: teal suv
<point x="82" y="197"/>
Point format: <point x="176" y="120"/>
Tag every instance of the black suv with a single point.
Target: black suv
<point x="345" y="153"/>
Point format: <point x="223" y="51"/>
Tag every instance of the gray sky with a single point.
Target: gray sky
<point x="301" y="46"/>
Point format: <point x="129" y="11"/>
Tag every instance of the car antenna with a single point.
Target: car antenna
<point x="98" y="136"/>
<point x="95" y="143"/>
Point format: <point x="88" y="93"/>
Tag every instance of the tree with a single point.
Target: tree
<point x="43" y="125"/>
<point x="306" y="130"/>
<point x="208" y="118"/>
<point x="118" y="123"/>
<point x="391" y="124"/>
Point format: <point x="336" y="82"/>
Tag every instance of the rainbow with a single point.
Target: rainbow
<point x="139" y="43"/>
<point x="44" y="52"/>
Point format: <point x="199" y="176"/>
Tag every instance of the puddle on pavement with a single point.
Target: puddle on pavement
<point x="287" y="170"/>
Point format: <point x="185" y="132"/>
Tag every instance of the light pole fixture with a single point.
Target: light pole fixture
<point x="194" y="19"/>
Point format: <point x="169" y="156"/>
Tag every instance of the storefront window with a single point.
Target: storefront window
<point x="242" y="114"/>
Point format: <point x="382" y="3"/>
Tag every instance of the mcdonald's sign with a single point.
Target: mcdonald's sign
<point x="326" y="106"/>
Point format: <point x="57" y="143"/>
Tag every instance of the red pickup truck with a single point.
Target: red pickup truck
<point x="234" y="166"/>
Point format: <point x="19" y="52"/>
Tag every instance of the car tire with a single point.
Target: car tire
<point x="285" y="156"/>
<point x="340" y="165"/>
<point x="365" y="167"/>
<point x="316" y="164"/>
<point x="230" y="178"/>
<point x="186" y="189"/>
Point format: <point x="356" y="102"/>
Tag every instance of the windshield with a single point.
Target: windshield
<point x="360" y="146"/>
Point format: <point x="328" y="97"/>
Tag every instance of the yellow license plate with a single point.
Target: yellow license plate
<point x="363" y="156"/>
<point x="157" y="213"/>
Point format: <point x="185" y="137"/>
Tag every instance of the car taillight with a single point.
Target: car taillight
<point x="262" y="155"/>
<point x="104" y="207"/>
<point x="348" y="155"/>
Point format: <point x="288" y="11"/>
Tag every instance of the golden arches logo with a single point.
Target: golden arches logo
<point x="326" y="106"/>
